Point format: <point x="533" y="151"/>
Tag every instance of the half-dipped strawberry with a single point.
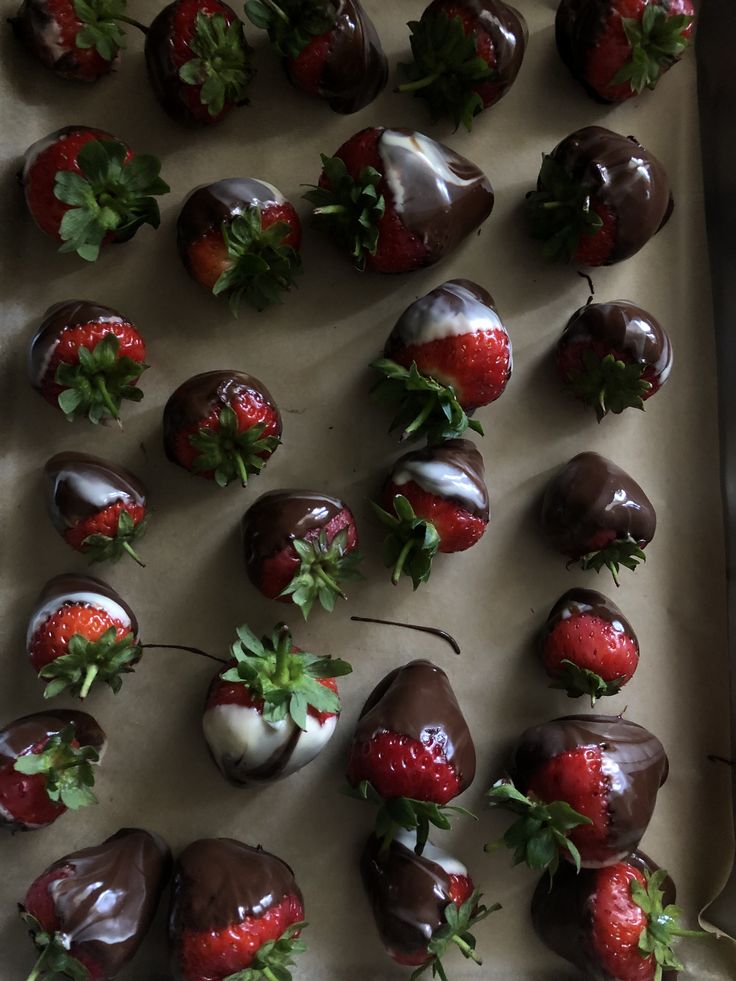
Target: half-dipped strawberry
<point x="221" y="425"/>
<point x="600" y="197"/>
<point x="240" y="238"/>
<point x="274" y="708"/>
<point x="583" y="786"/>
<point x="87" y="189"/>
<point x="89" y="912"/>
<point x="588" y="646"/>
<point x="412" y="752"/>
<point x="85" y="359"/>
<point x="597" y="515"/>
<point x="448" y="354"/>
<point x="330" y="48"/>
<point x="299" y="547"/>
<point x="613" y="356"/>
<point x="81" y="631"/>
<point x="96" y="506"/>
<point x="396" y="200"/>
<point x="615" y="922"/>
<point x="235" y="911"/>
<point x="47" y="767"/>
<point x="435" y="500"/>
<point x="422" y="904"/>
<point x="618" y="48"/>
<point x="467" y="54"/>
<point x="198" y="60"/>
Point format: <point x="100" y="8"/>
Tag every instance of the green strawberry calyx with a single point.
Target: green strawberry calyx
<point x="55" y="959"/>
<point x="87" y="661"/>
<point x="609" y="384"/>
<point x="68" y="769"/>
<point x="560" y="211"/>
<point x="292" y="24"/>
<point x="456" y="930"/>
<point x="658" y="39"/>
<point x="221" y="66"/>
<point x="111" y="548"/>
<point x="98" y="383"/>
<point x="662" y="928"/>
<point x="285" y="680"/>
<point x="620" y="552"/>
<point x="100" y="28"/>
<point x="323" y="567"/>
<point x="231" y="453"/>
<point x="411" y="544"/>
<point x="273" y="960"/>
<point x="577" y="681"/>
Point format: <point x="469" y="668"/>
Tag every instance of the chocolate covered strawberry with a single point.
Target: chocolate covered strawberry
<point x="87" y="189"/>
<point x="435" y="500"/>
<point x="240" y="238"/>
<point x="588" y="647"/>
<point x="584" y="787"/>
<point x="221" y="425"/>
<point x="89" y="912"/>
<point x="618" y="48"/>
<point x="330" y="48"/>
<point x="422" y="904"/>
<point x="448" y="354"/>
<point x="613" y="356"/>
<point x="600" y="197"/>
<point x="47" y="765"/>
<point x="199" y="62"/>
<point x="467" y="54"/>
<point x="615" y="922"/>
<point x="236" y="911"/>
<point x="81" y="631"/>
<point x="597" y="515"/>
<point x="412" y="752"/>
<point x="299" y="547"/>
<point x="97" y="507"/>
<point x="396" y="200"/>
<point x="274" y="708"/>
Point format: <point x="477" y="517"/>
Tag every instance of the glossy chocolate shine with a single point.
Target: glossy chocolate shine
<point x="79" y="485"/>
<point x="61" y="317"/>
<point x="59" y="587"/>
<point x="453" y="470"/>
<point x="590" y="495"/>
<point x="210" y="205"/>
<point x="509" y="35"/>
<point x="355" y="69"/>
<point x="576" y="602"/>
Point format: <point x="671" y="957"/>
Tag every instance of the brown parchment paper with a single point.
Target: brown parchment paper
<point x="312" y="352"/>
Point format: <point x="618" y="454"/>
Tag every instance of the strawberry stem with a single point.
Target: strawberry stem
<point x="89" y="677"/>
<point x="399" y="567"/>
<point x="332" y="209"/>
<point x="99" y="381"/>
<point x="277" y="10"/>
<point x="132" y="553"/>
<point x="466" y="949"/>
<point x="281" y="674"/>
<point x="39" y="967"/>
<point x="266" y="971"/>
<point x="240" y="465"/>
<point x="421" y="83"/>
<point x="329" y="581"/>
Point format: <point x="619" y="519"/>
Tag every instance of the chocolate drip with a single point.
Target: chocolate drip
<point x="416" y="700"/>
<point x="453" y="470"/>
<point x="79" y="485"/>
<point x="587" y="601"/>
<point x="35" y="26"/>
<point x="435" y="631"/>
<point x="61" y="317"/>
<point x="356" y="69"/>
<point x="592" y="495"/>
<point x="211" y="205"/>
<point x="59" y="588"/>
<point x="509" y="34"/>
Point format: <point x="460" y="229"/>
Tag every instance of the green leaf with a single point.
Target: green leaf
<point x="292" y="24"/>
<point x="662" y="929"/>
<point x="88" y="661"/>
<point x="560" y="211"/>
<point x="657" y="40"/>
<point x="68" y="769"/>
<point x="98" y="383"/>
<point x="620" y="552"/>
<point x="324" y="566"/>
<point x="229" y="452"/>
<point x="608" y="384"/>
<point x="55" y="959"/>
<point x="577" y="681"/>
<point x="411" y="544"/>
<point x="222" y="65"/>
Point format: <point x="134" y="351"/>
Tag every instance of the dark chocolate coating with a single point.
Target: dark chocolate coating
<point x="71" y="582"/>
<point x="416" y="700"/>
<point x="576" y="602"/>
<point x="79" y="485"/>
<point x="457" y="455"/>
<point x="35" y="26"/>
<point x="562" y="914"/>
<point x="509" y="34"/>
<point x="591" y="495"/>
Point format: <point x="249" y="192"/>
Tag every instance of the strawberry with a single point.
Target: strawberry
<point x="412" y="752"/>
<point x="396" y="200"/>
<point x="588" y="646"/>
<point x="615" y="922"/>
<point x="81" y="631"/>
<point x="85" y="359"/>
<point x="221" y="425"/>
<point x="600" y="197"/>
<point x="89" y="911"/>
<point x="613" y="356"/>
<point x="86" y="189"/>
<point x="330" y="48"/>
<point x="47" y="767"/>
<point x="273" y="709"/>
<point x="583" y="786"/>
<point x="448" y="354"/>
<point x="299" y="547"/>
<point x="597" y="515"/>
<point x="234" y="910"/>
<point x="467" y="54"/>
<point x="434" y="500"/>
<point x="240" y="238"/>
<point x="199" y="62"/>
<point x="422" y="904"/>
<point x="618" y="48"/>
<point x="98" y="507"/>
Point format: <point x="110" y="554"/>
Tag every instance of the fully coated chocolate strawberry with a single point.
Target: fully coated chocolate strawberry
<point x="47" y="765"/>
<point x="448" y="354"/>
<point x="87" y="189"/>
<point x="273" y="709"/>
<point x="600" y="197"/>
<point x="240" y="238"/>
<point x="89" y="912"/>
<point x="221" y="425"/>
<point x="467" y="54"/>
<point x="330" y="48"/>
<point x="395" y="200"/>
<point x="434" y="500"/>
<point x="597" y="515"/>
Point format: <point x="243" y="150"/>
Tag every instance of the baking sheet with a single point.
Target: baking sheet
<point x="312" y="353"/>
